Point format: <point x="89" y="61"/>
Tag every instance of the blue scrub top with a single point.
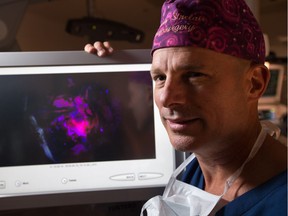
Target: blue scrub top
<point x="267" y="199"/>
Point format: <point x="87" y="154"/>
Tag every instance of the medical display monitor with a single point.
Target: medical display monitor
<point x="77" y="128"/>
<point x="272" y="95"/>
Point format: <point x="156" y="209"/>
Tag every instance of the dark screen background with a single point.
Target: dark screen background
<point x="33" y="130"/>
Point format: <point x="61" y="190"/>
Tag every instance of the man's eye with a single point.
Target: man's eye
<point x="159" y="78"/>
<point x="194" y="74"/>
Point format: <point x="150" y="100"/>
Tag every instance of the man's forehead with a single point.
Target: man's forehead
<point x="193" y="58"/>
<point x="190" y="53"/>
<point x="195" y="55"/>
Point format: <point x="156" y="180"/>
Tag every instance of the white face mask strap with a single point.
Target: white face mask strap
<point x="182" y="166"/>
<point x="271" y="128"/>
<point x="253" y="152"/>
<point x="179" y="169"/>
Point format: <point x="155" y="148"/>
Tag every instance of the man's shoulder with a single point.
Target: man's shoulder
<point x="269" y="198"/>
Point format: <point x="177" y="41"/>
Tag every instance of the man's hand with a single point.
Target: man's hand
<point x="99" y="48"/>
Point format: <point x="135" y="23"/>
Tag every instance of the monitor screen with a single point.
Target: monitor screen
<point x="71" y="118"/>
<point x="272" y="95"/>
<point x="76" y="125"/>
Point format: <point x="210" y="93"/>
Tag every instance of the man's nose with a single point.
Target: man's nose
<point x="173" y="93"/>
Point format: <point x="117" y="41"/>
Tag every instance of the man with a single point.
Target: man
<point x="208" y="69"/>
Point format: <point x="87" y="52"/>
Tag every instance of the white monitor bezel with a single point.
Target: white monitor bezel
<point x="83" y="189"/>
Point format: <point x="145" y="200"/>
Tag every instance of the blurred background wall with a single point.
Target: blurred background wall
<point x="44" y="22"/>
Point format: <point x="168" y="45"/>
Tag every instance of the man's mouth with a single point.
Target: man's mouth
<point x="180" y="124"/>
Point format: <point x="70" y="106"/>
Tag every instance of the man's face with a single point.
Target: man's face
<point x="202" y="96"/>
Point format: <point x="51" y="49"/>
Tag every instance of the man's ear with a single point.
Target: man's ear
<point x="259" y="76"/>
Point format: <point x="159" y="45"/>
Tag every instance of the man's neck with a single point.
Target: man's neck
<point x="220" y="164"/>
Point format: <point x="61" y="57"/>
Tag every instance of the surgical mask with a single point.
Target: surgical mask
<point x="182" y="199"/>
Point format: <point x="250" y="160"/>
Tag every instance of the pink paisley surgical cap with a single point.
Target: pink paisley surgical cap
<point x="225" y="26"/>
